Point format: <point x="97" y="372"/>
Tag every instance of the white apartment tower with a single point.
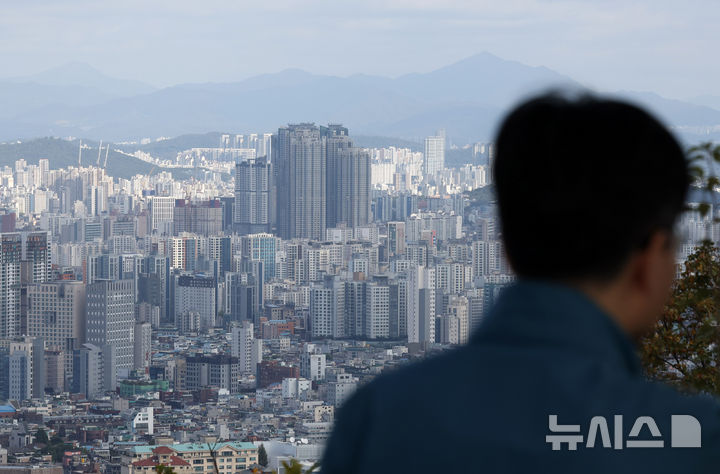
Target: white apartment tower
<point x="245" y="347"/>
<point x="434" y="154"/>
<point x="161" y="214"/>
<point x="421" y="305"/>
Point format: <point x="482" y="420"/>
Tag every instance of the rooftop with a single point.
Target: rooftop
<point x="188" y="447"/>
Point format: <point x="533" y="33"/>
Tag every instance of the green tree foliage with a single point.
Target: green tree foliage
<point x="262" y="456"/>
<point x="56" y="447"/>
<point x="294" y="467"/>
<point x="684" y="347"/>
<point x="41" y="436"/>
<point x="703" y="161"/>
<point x="163" y="469"/>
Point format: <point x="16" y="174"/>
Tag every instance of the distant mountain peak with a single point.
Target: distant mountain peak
<point x="467" y="98"/>
<point x="73" y="66"/>
<point x="78" y="73"/>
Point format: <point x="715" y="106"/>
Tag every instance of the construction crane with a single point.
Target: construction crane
<point x="107" y="151"/>
<point x="97" y="163"/>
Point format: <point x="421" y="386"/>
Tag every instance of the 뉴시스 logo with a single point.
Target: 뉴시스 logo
<point x="685" y="432"/>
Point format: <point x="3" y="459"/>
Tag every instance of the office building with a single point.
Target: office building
<point x="196" y="294"/>
<point x="218" y="371"/>
<point x="202" y="218"/>
<point x="22" y="368"/>
<point x="111" y="320"/>
<point x="56" y="369"/>
<point x="93" y="370"/>
<point x="56" y="313"/>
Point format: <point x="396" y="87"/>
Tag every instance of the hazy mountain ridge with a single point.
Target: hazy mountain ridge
<point x="466" y="98"/>
<point x="83" y="75"/>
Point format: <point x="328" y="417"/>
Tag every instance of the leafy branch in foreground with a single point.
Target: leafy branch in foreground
<point x="703" y="160"/>
<point x="294" y="467"/>
<point x="684" y="347"/>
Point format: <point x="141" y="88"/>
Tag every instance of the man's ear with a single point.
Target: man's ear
<point x="648" y="265"/>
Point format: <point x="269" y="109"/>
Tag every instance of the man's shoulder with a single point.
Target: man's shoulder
<point x="474" y="369"/>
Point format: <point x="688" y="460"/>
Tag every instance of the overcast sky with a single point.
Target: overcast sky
<point x="667" y="46"/>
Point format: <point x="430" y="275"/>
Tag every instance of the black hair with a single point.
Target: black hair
<point x="582" y="182"/>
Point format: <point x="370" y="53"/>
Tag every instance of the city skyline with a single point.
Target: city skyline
<point x="158" y="293"/>
<point x="223" y="223"/>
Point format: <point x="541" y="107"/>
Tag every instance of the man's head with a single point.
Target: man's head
<point x="589" y="190"/>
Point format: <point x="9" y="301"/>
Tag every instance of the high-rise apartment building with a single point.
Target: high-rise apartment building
<point x="161" y="214"/>
<point x="434" y="158"/>
<point x="421" y="305"/>
<point x="488" y="258"/>
<point x="220" y="251"/>
<point x="243" y="301"/>
<point x="338" y="143"/>
<point x="24" y="258"/>
<point x="396" y="238"/>
<point x="348" y="179"/>
<point x="111" y="319"/>
<point x="324" y="311"/>
<point x="262" y="247"/>
<point x="246" y="347"/>
<point x="253" y="181"/>
<point x="353" y="188"/>
<point x="36" y="252"/>
<point x="377" y="318"/>
<point x="10" y="257"/>
<point x="143" y="345"/>
<point x="184" y="252"/>
<point x="301" y="158"/>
